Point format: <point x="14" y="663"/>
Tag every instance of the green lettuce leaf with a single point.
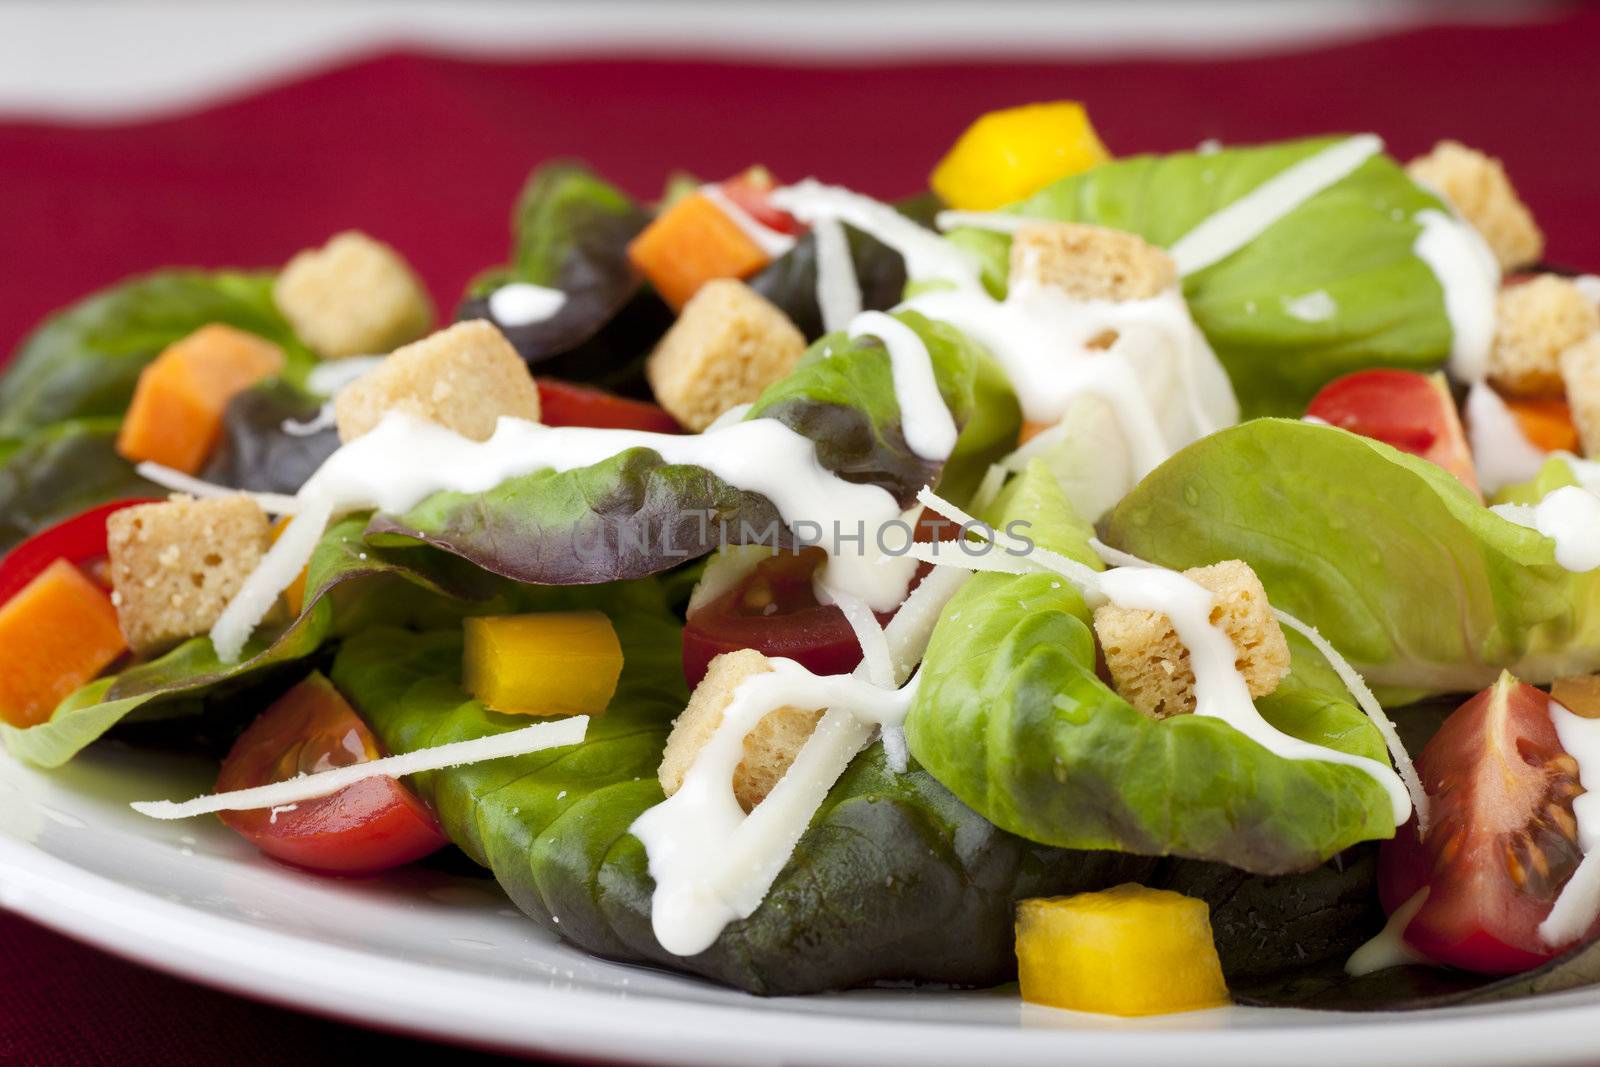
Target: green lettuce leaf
<point x="1352" y="242"/>
<point x="84" y="360"/>
<point x="570" y="231"/>
<point x="391" y="581"/>
<point x="635" y="514"/>
<point x="1419" y="585"/>
<point x="54" y="473"/>
<point x="1012" y="717"/>
<point x="894" y="880"/>
<point x="1555" y="474"/>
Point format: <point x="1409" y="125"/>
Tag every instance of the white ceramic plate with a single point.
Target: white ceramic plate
<point x="447" y="957"/>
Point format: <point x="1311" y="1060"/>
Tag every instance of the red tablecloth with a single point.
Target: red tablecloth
<point x="428" y="153"/>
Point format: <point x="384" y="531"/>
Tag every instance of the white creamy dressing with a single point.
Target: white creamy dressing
<point x="1570" y="516"/>
<point x="1236" y="225"/>
<point x="523" y="304"/>
<point x="1315" y="306"/>
<point x="773" y="242"/>
<point x="1469" y="275"/>
<point x="1578" y="903"/>
<point x="711" y="862"/>
<point x="838" y="291"/>
<point x="1501" y="454"/>
<point x="331" y="375"/>
<point x="1388" y="947"/>
<point x="929" y="428"/>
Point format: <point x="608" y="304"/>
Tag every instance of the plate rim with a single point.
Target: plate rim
<point x="502" y="1013"/>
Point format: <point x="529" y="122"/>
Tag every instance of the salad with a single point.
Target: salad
<point x="1158" y="580"/>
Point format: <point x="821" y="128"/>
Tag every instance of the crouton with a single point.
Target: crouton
<point x="1580" y="373"/>
<point x="1476" y="185"/>
<point x="353" y="296"/>
<point x="1150" y="666"/>
<point x="768" y="749"/>
<point x="175" y="566"/>
<point x="729" y="344"/>
<point x="463" y="378"/>
<point x="1534" y="323"/>
<point x="1090" y="262"/>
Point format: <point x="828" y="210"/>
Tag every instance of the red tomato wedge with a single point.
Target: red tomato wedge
<point x="80" y="540"/>
<point x="775" y="611"/>
<point x="752" y="192"/>
<point x="1503" y="839"/>
<point x="568" y="404"/>
<point x="1411" y="411"/>
<point x="373" y="825"/>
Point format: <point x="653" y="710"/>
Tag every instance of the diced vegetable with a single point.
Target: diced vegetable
<point x="58" y="633"/>
<point x="1411" y="411"/>
<point x="689" y="244"/>
<point x="1546" y="422"/>
<point x="1124" y="951"/>
<point x="1009" y="154"/>
<point x="552" y="663"/>
<point x="370" y="826"/>
<point x="176" y="415"/>
<point x="80" y="539"/>
<point x="570" y="404"/>
<point x="751" y="190"/>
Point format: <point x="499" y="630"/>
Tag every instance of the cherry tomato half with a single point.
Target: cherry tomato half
<point x="774" y="610"/>
<point x="80" y="540"/>
<point x="752" y="192"/>
<point x="370" y="826"/>
<point x="1411" y="411"/>
<point x="568" y="404"/>
<point x="1503" y="838"/>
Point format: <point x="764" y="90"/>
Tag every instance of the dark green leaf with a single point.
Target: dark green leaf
<point x="570" y="232"/>
<point x="85" y="359"/>
<point x="54" y="473"/>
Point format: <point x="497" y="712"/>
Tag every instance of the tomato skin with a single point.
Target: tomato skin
<point x="80" y="540"/>
<point x="368" y="827"/>
<point x="569" y="404"/>
<point x="1501" y="789"/>
<point x="1411" y="411"/>
<point x="752" y="191"/>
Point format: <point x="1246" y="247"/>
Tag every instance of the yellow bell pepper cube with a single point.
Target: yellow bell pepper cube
<point x="552" y="663"/>
<point x="1124" y="951"/>
<point x="1010" y="154"/>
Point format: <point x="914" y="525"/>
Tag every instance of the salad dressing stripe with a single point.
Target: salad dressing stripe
<point x="773" y="242"/>
<point x="838" y="290"/>
<point x="1469" y="277"/>
<point x="925" y="420"/>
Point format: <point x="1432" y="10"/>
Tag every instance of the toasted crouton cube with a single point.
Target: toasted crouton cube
<point x="1534" y="323"/>
<point x="728" y="345"/>
<point x="1476" y="185"/>
<point x="1150" y="666"/>
<point x="463" y="378"/>
<point x="768" y="749"/>
<point x="353" y="296"/>
<point x="1580" y="372"/>
<point x="175" y="566"/>
<point x="1090" y="262"/>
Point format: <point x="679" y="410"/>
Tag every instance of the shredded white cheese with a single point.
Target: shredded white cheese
<point x="282" y="796"/>
<point x="277" y="571"/>
<point x="179" y="482"/>
<point x="323" y="420"/>
<point x="995" y="221"/>
<point x="1236" y="225"/>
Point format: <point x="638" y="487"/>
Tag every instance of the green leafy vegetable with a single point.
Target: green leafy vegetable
<point x="54" y="473"/>
<point x="571" y="230"/>
<point x="895" y="879"/>
<point x="192" y="671"/>
<point x="84" y="360"/>
<point x="1352" y="242"/>
<point x="257" y="453"/>
<point x="1421" y="587"/>
<point x="1011" y="716"/>
<point x="1555" y="474"/>
<point x="635" y="514"/>
<point x="790" y="281"/>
